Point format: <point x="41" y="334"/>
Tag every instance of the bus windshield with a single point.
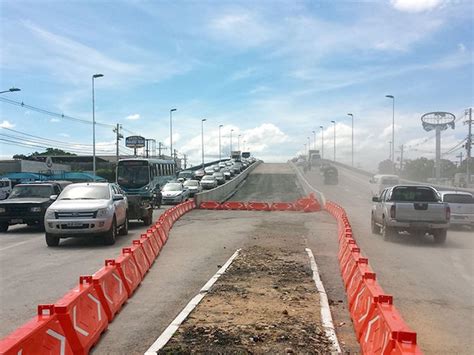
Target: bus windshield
<point x="133" y="176"/>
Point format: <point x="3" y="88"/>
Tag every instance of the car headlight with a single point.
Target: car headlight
<point x="2" y="210"/>
<point x="35" y="209"/>
<point x="50" y="214"/>
<point x="103" y="212"/>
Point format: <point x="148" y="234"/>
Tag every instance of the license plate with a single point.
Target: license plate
<point x="17" y="220"/>
<point x="74" y="224"/>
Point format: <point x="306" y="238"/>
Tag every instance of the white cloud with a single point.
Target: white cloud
<point x="416" y="5"/>
<point x="461" y="47"/>
<point x="64" y="135"/>
<point x="6" y="124"/>
<point x="133" y="117"/>
<point x="243" y="74"/>
<point x="54" y="120"/>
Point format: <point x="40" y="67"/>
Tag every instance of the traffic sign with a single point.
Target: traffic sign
<point x="135" y="142"/>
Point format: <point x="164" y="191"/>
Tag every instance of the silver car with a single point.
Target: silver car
<point x="174" y="192"/>
<point x="87" y="209"/>
<point x="193" y="187"/>
<point x="208" y="182"/>
<point x="462" y="207"/>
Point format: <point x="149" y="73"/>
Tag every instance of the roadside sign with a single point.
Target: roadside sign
<point x="135" y="142"/>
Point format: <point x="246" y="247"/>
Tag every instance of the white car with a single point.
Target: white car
<point x="98" y="208"/>
<point x="174" y="192"/>
<point x="193" y="187"/>
<point x="462" y="207"/>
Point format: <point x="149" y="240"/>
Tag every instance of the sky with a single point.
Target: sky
<point x="274" y="72"/>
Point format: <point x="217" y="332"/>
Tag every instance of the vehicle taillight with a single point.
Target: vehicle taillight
<point x="448" y="213"/>
<point x="392" y="212"/>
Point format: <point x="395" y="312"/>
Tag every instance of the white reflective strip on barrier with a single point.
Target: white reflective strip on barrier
<point x="60" y="337"/>
<point x="105" y="293"/>
<point x="125" y="273"/>
<point x="369" y="327"/>
<point x="358" y="297"/>
<point x="20" y="352"/>
<point x="119" y="281"/>
<point x="366" y="313"/>
<point x="385" y="339"/>
<point x="98" y="305"/>
<point x="74" y="323"/>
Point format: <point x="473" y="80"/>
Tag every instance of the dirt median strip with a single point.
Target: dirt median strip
<point x="266" y="302"/>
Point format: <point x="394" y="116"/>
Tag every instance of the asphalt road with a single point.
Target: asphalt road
<point x="432" y="285"/>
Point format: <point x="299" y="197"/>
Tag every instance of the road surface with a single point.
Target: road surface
<point x="432" y="285"/>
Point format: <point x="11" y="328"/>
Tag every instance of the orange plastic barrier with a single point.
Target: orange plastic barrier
<point x="156" y="240"/>
<point x="41" y="335"/>
<point x="142" y="255"/>
<point x="231" y="205"/>
<point x="110" y="288"/>
<point x="210" y="205"/>
<point x="258" y="206"/>
<point x="153" y="244"/>
<point x="82" y="316"/>
<point x="162" y="233"/>
<point x="128" y="271"/>
<point x="282" y="206"/>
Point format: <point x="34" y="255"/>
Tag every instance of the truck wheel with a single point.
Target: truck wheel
<point x="374" y="227"/>
<point x="387" y="232"/>
<point x="440" y="236"/>
<point x="51" y="240"/>
<point x="124" y="229"/>
<point x="4" y="227"/>
<point x="111" y="235"/>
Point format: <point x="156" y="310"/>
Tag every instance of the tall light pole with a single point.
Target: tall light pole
<point x="322" y="142"/>
<point x="309" y="144"/>
<point x="334" y="122"/>
<point x="244" y="144"/>
<point x="238" y="141"/>
<point x="171" y="132"/>
<point x="352" y="117"/>
<point x="95" y="76"/>
<point x="314" y="136"/>
<point x="10" y="90"/>
<point x="231" y="141"/>
<point x="392" y="149"/>
<point x="220" y="126"/>
<point x="202" y="140"/>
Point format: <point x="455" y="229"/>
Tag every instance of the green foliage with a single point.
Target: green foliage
<point x="49" y="152"/>
<point x="419" y="169"/>
<point x="108" y="174"/>
<point x="386" y="167"/>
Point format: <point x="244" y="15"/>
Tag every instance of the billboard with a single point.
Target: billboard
<point x="135" y="142"/>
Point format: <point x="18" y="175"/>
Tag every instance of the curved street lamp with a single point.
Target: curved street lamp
<point x="202" y="139"/>
<point x="352" y="117"/>
<point x="171" y="132"/>
<point x="10" y="90"/>
<point x="334" y="122"/>
<point x="322" y="142"/>
<point x="392" y="155"/>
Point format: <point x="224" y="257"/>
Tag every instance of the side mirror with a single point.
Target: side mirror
<point x="53" y="197"/>
<point x="117" y="197"/>
<point x="375" y="199"/>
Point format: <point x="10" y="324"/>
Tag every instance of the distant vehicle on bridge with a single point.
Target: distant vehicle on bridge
<point x="139" y="178"/>
<point x="314" y="158"/>
<point x="245" y="155"/>
<point x="378" y="183"/>
<point x="235" y="155"/>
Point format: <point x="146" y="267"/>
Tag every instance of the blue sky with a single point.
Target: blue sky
<point x="273" y="71"/>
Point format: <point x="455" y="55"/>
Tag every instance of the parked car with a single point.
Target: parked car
<point x="27" y="204"/>
<point x="174" y="192"/>
<point x="462" y="207"/>
<point x="193" y="187"/>
<point x="198" y="174"/>
<point x="208" y="182"/>
<point x="209" y="170"/>
<point x="414" y="209"/>
<point x="91" y="208"/>
<point x="220" y="178"/>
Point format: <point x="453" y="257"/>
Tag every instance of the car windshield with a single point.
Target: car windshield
<point x="390" y="181"/>
<point x="133" y="176"/>
<point x="85" y="192"/>
<point x="208" y="177"/>
<point x="172" y="187"/>
<point x="38" y="191"/>
<point x="414" y="194"/>
<point x="191" y="183"/>
<point x="458" y="198"/>
<point x="185" y="174"/>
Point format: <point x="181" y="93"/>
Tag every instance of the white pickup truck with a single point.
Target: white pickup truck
<point x="414" y="209"/>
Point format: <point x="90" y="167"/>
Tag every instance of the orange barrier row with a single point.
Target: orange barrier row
<point x="75" y="322"/>
<point x="306" y="204"/>
<point x="378" y="325"/>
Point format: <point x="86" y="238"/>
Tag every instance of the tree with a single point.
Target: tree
<point x="448" y="168"/>
<point x="52" y="152"/>
<point x="386" y="167"/>
<point x="419" y="169"/>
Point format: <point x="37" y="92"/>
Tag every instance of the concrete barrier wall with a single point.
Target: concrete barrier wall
<point x="306" y="186"/>
<point x="223" y="192"/>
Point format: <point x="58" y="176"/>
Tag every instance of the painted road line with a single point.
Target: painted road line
<point x="176" y="323"/>
<point x="14" y="245"/>
<point x="326" y="317"/>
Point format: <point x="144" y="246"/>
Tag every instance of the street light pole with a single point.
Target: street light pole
<point x="322" y="142"/>
<point x="314" y="136"/>
<point x="10" y="90"/>
<point x="202" y="140"/>
<point x="231" y="141"/>
<point x="393" y="128"/>
<point x="238" y="142"/>
<point x="352" y="117"/>
<point x="334" y="122"/>
<point x="95" y="76"/>
<point x="171" y="131"/>
<point x="220" y="126"/>
<point x="309" y="144"/>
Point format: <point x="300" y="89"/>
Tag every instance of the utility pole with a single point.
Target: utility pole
<point x="118" y="137"/>
<point x="401" y="158"/>
<point x="460" y="158"/>
<point x="185" y="160"/>
<point x="469" y="146"/>
<point x="160" y="147"/>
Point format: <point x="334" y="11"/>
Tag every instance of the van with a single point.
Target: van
<point x="378" y="183"/>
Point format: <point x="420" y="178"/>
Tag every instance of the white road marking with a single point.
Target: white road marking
<point x="14" y="245"/>
<point x="326" y="317"/>
<point x="175" y="324"/>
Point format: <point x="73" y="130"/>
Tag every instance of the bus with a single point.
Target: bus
<point x="138" y="178"/>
